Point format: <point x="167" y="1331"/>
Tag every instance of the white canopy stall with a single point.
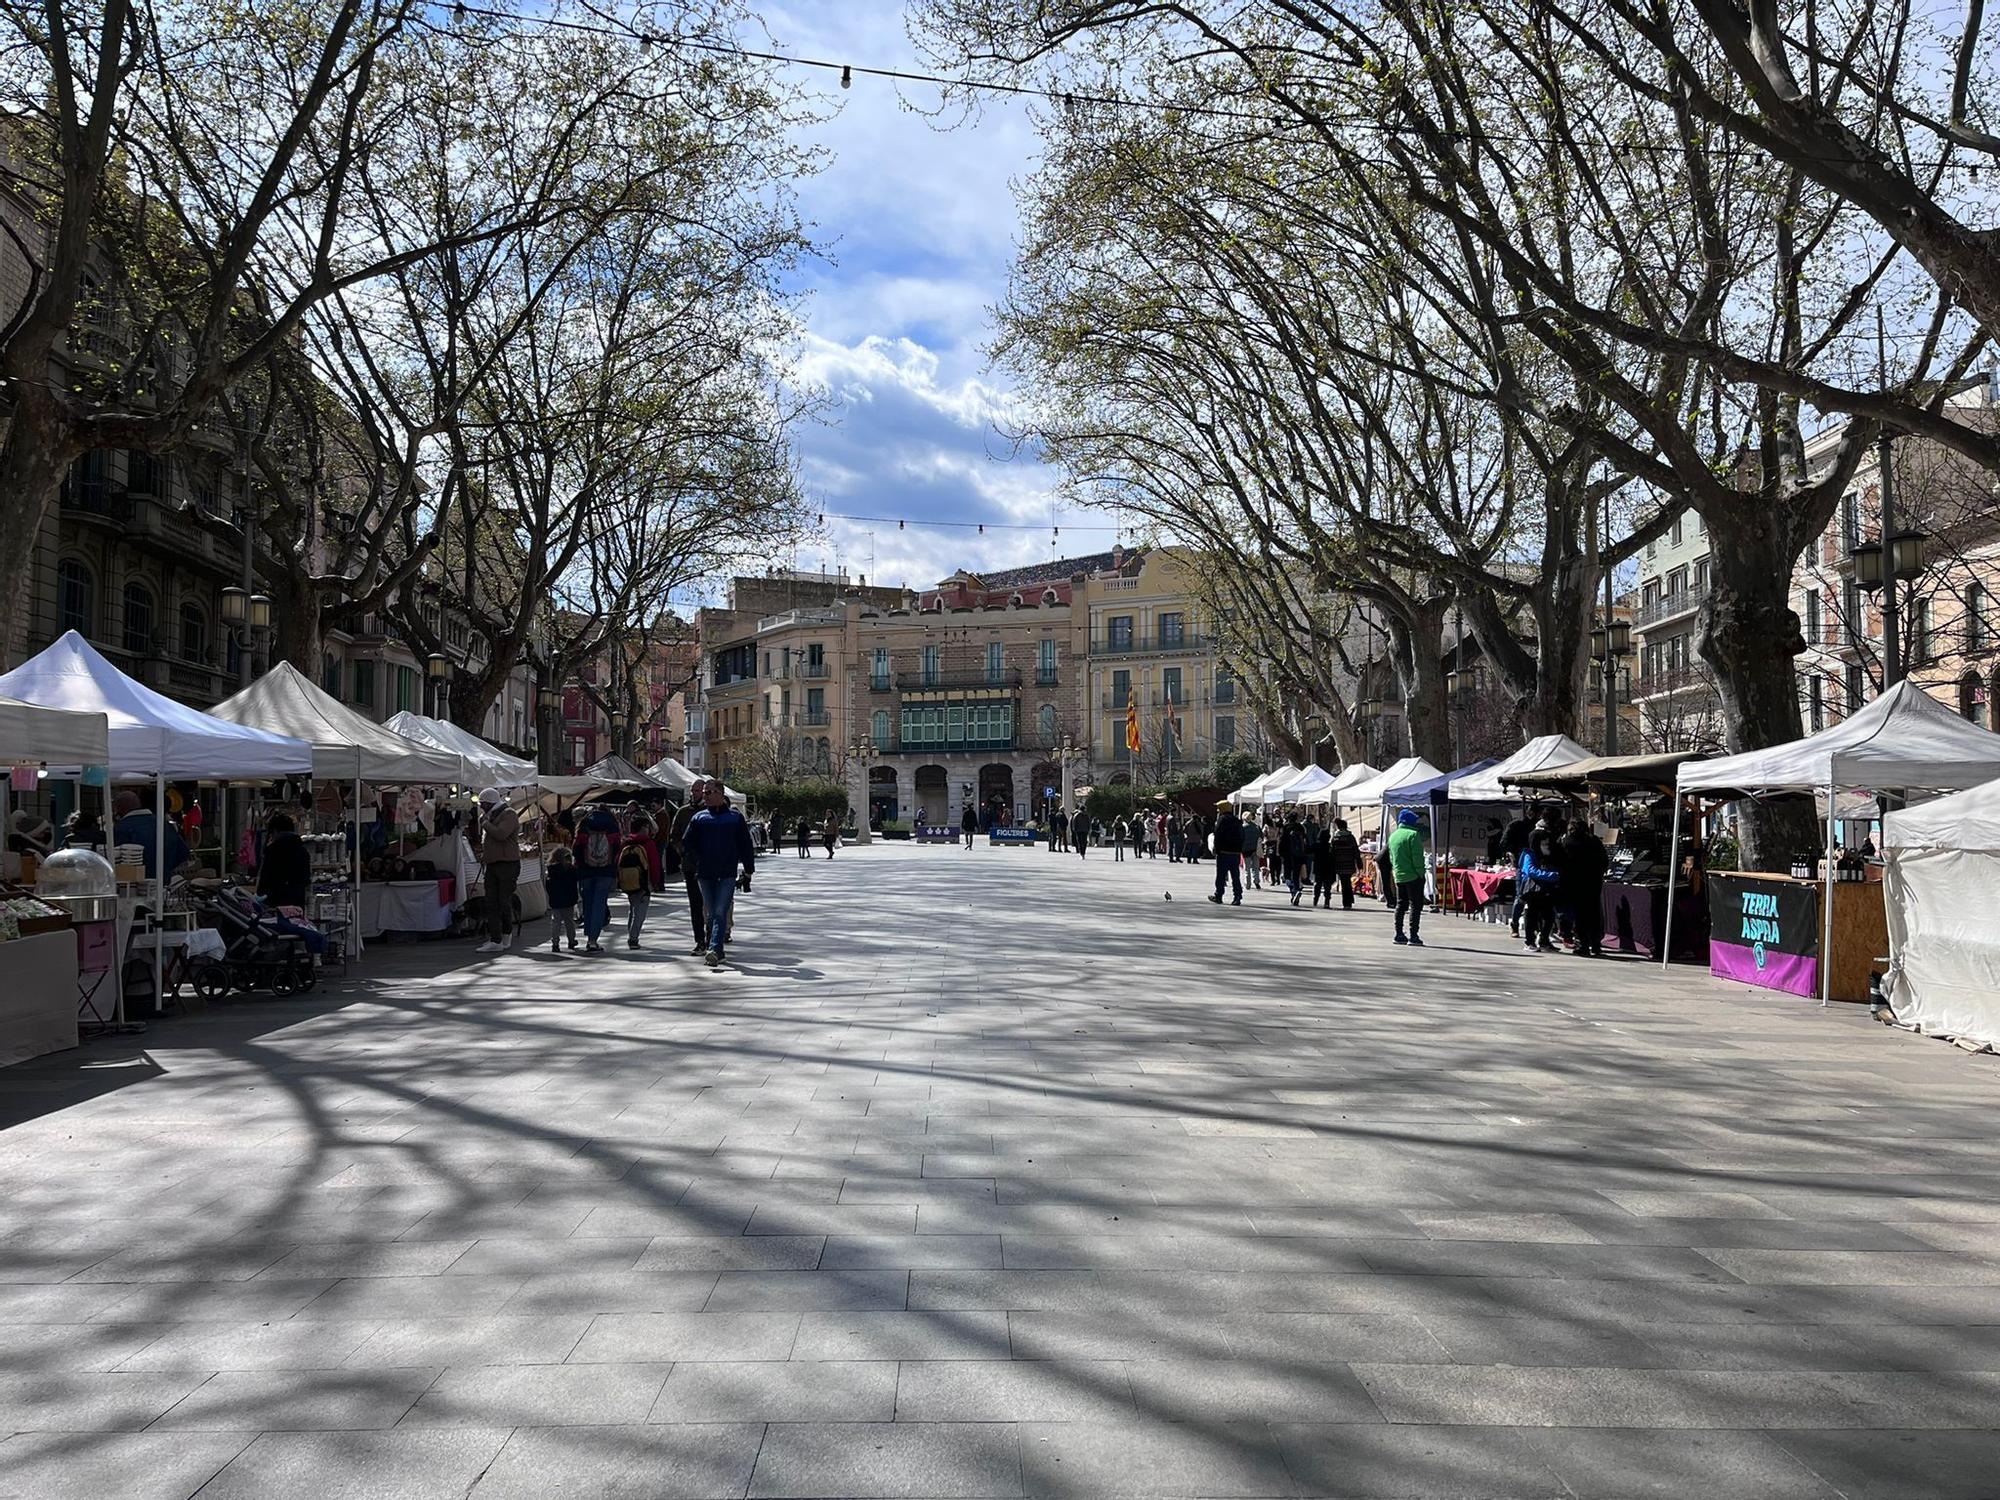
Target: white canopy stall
<point x="1253" y="791"/>
<point x="152" y="738"/>
<point x="346" y="747"/>
<point x="1314" y="779"/>
<point x="1372" y="794"/>
<point x="1543" y="753"/>
<point x="1273" y="792"/>
<point x="1330" y="794"/>
<point x="1903" y="742"/>
<point x="484" y="764"/>
<point x="672" y="775"/>
<point x="52" y="736"/>
<point x="1943" y="880"/>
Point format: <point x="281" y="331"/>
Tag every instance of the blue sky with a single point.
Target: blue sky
<point x="920" y="222"/>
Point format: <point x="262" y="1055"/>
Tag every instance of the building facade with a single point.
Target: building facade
<point x="1674" y="688"/>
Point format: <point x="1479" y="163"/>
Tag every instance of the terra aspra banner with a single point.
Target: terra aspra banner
<point x="1764" y="931"/>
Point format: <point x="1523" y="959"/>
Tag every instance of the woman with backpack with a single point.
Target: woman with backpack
<point x="639" y="875"/>
<point x="596" y="869"/>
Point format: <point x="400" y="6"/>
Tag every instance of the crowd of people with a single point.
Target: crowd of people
<point x="706" y="847"/>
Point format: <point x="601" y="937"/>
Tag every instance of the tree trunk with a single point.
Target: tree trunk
<point x="32" y="460"/>
<point x="1750" y="636"/>
<point x="296" y="611"/>
<point x="1418" y="644"/>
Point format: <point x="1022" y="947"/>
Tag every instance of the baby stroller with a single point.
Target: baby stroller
<point x="261" y="952"/>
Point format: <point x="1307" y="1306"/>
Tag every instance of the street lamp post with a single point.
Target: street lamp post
<point x="247" y="618"/>
<point x="1608" y="644"/>
<point x="437" y="674"/>
<point x="618" y="723"/>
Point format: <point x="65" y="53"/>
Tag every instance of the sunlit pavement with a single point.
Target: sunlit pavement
<point x="992" y="1173"/>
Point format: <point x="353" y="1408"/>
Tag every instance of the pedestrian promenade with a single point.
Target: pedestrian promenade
<point x="996" y="1173"/>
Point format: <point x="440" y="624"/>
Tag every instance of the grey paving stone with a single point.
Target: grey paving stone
<point x="504" y="1340"/>
<point x="911" y="1251"/>
<point x="1609" y="1463"/>
<point x="253" y="1346"/>
<point x="1892" y="1465"/>
<point x="636" y="1338"/>
<point x="401" y="1464"/>
<point x="388" y="1297"/>
<point x="400" y="1258"/>
<point x="1089" y="1459"/>
<point x="611" y="1291"/>
<point x="133" y="1466"/>
<point x="1856" y="1267"/>
<point x="886" y="1458"/>
<point x="538" y="1396"/>
<point x="109" y="1402"/>
<point x="1386" y="1461"/>
<point x="771" y="1252"/>
<point x="753" y="1291"/>
<point x="857" y="1335"/>
<point x="43" y="1348"/>
<point x="768" y="1391"/>
<point x="1278" y="1390"/>
<point x="623" y="1463"/>
<point x="297" y="1400"/>
<point x="543" y="1257"/>
<point x="1020" y="1391"/>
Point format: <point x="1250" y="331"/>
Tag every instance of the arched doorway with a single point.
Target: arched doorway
<point x="882" y="796"/>
<point x="996" y="794"/>
<point x="933" y="789"/>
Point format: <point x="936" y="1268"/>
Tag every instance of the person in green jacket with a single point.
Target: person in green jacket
<point x="1406" y="866"/>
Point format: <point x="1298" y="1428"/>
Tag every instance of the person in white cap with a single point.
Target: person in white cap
<point x="500" y="854"/>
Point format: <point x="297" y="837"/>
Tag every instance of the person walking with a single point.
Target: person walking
<point x="597" y="843"/>
<point x="1228" y="856"/>
<point x="1584" y="865"/>
<point x="1406" y="867"/>
<point x="1513" y="844"/>
<point x="1058" y="832"/>
<point x="804" y="835"/>
<point x="1119" y="831"/>
<point x="1540" y="877"/>
<point x="1293" y="852"/>
<point x="677" y="837"/>
<point x="1321" y="856"/>
<point x="284" y="874"/>
<point x="639" y="875"/>
<point x="1253" y="838"/>
<point x="718" y="846"/>
<point x="1346" y="862"/>
<point x="560" y="884"/>
<point x="1079" y="834"/>
<point x="829" y="833"/>
<point x="968" y="824"/>
<point x="500" y="857"/>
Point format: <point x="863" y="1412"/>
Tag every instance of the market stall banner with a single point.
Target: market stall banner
<point x="1764" y="932"/>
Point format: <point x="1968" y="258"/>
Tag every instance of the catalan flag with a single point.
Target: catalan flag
<point x="1132" y="721"/>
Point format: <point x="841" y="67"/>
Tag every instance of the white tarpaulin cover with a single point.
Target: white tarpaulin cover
<point x="52" y="735"/>
<point x="484" y="765"/>
<point x="1315" y="779"/>
<point x="1275" y="784"/>
<point x="672" y="775"/>
<point x="1943" y="888"/>
<point x="1543" y="753"/>
<point x="149" y="734"/>
<point x="345" y="746"/>
<point x="1334" y="790"/>
<point x="1904" y="739"/>
<point x="1253" y="791"/>
<point x="1408" y="771"/>
<point x="616" y="770"/>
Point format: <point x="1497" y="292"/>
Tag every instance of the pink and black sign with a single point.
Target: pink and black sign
<point x="1764" y="931"/>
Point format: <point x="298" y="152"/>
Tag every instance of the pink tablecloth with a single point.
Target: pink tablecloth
<point x="1477" y="887"/>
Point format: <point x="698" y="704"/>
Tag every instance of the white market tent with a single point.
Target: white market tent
<point x="151" y="737"/>
<point x="1543" y="753"/>
<point x="1335" y="789"/>
<point x="484" y="765"/>
<point x="1315" y="779"/>
<point x="1905" y="741"/>
<point x="1273" y="791"/>
<point x="1943" y="886"/>
<point x="345" y="745"/>
<point x="672" y="775"/>
<point x="617" y="771"/>
<point x="1253" y="791"/>
<point x="52" y="735"/>
<point x="1374" y="792"/>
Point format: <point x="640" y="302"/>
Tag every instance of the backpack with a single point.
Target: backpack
<point x="632" y="869"/>
<point x="596" y="849"/>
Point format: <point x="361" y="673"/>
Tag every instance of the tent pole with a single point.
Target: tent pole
<point x="1826" y="911"/>
<point x="1673" y="871"/>
<point x="159" y="890"/>
<point x="354" y="890"/>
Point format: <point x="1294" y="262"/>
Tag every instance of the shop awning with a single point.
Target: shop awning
<point x="1601" y="773"/>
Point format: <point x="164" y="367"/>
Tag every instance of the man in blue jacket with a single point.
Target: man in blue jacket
<point x="717" y="842"/>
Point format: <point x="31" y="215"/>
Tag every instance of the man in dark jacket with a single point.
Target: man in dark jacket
<point x="677" y="835"/>
<point x="284" y="875"/>
<point x="1584" y="864"/>
<point x="1228" y="855"/>
<point x="1292" y="852"/>
<point x="717" y="844"/>
<point x="1346" y="862"/>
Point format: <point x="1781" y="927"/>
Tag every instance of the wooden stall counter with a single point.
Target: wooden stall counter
<point x="1764" y="930"/>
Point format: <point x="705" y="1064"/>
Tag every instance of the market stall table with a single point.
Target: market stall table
<point x="1635" y="921"/>
<point x="419" y="906"/>
<point x="1767" y="930"/>
<point x="1474" y="890"/>
<point x="38" y="1001"/>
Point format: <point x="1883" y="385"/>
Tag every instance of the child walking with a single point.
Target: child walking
<point x="561" y="885"/>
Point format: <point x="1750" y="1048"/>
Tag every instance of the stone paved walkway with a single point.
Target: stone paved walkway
<point x="994" y="1173"/>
